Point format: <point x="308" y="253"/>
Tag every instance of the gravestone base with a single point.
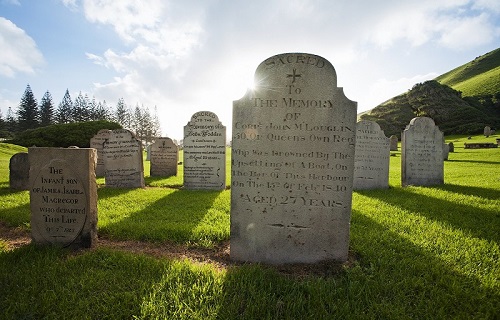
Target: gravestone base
<point x="63" y="197"/>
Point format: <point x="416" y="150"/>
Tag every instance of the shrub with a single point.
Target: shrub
<point x="63" y="135"/>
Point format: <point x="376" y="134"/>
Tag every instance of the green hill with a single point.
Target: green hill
<point x="461" y="101"/>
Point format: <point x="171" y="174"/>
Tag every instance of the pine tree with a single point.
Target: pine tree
<point x="147" y="125"/>
<point x="121" y="114"/>
<point x="155" y="125"/>
<point x="10" y="121"/>
<point x="92" y="108"/>
<point x="64" y="110"/>
<point x="102" y="112"/>
<point x="80" y="110"/>
<point x="46" y="110"/>
<point x="27" y="113"/>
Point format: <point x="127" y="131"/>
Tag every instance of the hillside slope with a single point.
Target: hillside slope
<point x="461" y="101"/>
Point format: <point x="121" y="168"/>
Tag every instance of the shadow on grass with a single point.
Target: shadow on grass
<point x="474" y="161"/>
<point x="17" y="215"/>
<point x="480" y="222"/>
<point x="490" y="194"/>
<point x="105" y="193"/>
<point x="394" y="279"/>
<point x="171" y="218"/>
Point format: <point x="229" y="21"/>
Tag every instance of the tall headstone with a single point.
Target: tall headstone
<point x="19" y="171"/>
<point x="97" y="142"/>
<point x="204" y="152"/>
<point x="393" y="140"/>
<point x="487" y="131"/>
<point x="292" y="164"/>
<point x="451" y="147"/>
<point x="371" y="161"/>
<point x="164" y="155"/>
<point x="422" y="153"/>
<point x="63" y="196"/>
<point x="446" y="151"/>
<point x="123" y="160"/>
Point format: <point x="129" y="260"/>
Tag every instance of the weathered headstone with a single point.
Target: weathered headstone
<point x="204" y="152"/>
<point x="19" y="171"/>
<point x="446" y="151"/>
<point x="123" y="160"/>
<point x="371" y="160"/>
<point x="451" y="147"/>
<point x="487" y="131"/>
<point x="422" y="153"/>
<point x="97" y="142"/>
<point x="393" y="143"/>
<point x="63" y="196"/>
<point x="292" y="164"/>
<point x="164" y="155"/>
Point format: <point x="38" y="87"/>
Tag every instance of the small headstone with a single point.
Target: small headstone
<point x="446" y="151"/>
<point x="451" y="147"/>
<point x="393" y="143"/>
<point x="292" y="164"/>
<point x="148" y="153"/>
<point x="487" y="131"/>
<point x="97" y="142"/>
<point x="422" y="153"/>
<point x="371" y="160"/>
<point x="204" y="152"/>
<point x="19" y="171"/>
<point x="63" y="196"/>
<point x="123" y="160"/>
<point x="164" y="155"/>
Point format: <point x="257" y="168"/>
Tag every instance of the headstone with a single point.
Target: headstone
<point x="451" y="147"/>
<point x="148" y="152"/>
<point x="371" y="160"/>
<point x="292" y="164"/>
<point x="164" y="155"/>
<point x="204" y="152"/>
<point x="393" y="143"/>
<point x="487" y="131"/>
<point x="422" y="153"/>
<point x="63" y="196"/>
<point x="97" y="142"/>
<point x="19" y="171"/>
<point x="446" y="151"/>
<point x="123" y="160"/>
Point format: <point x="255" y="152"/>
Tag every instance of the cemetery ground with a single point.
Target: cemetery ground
<point x="415" y="252"/>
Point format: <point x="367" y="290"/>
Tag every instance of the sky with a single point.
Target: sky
<point x="185" y="56"/>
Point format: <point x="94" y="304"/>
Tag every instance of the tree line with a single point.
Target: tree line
<point x="30" y="114"/>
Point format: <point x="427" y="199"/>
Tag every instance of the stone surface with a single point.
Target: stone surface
<point x="63" y="196"/>
<point x="164" y="156"/>
<point x="371" y="161"/>
<point x="393" y="143"/>
<point x="487" y="131"/>
<point x="19" y="171"/>
<point x="446" y="151"/>
<point x="293" y="140"/>
<point x="204" y="152"/>
<point x="123" y="160"/>
<point x="451" y="147"/>
<point x="422" y="153"/>
<point x="97" y="142"/>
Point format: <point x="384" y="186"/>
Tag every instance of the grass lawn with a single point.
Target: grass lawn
<point x="416" y="253"/>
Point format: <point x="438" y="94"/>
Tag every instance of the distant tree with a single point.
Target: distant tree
<point x="27" y="113"/>
<point x="80" y="110"/>
<point x="10" y="121"/>
<point x="137" y="123"/>
<point x="155" y="125"/>
<point x="2" y="121"/>
<point x="92" y="107"/>
<point x="102" y="112"/>
<point x="46" y="110"/>
<point x="64" y="110"/>
<point x="121" y="113"/>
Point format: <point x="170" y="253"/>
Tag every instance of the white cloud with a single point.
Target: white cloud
<point x="467" y="32"/>
<point x="19" y="52"/>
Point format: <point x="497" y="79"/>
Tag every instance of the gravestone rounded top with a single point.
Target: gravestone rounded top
<point x="422" y="122"/>
<point x="315" y="69"/>
<point x="371" y="126"/>
<point x="205" y="115"/>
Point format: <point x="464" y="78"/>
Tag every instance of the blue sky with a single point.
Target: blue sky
<point x="184" y="56"/>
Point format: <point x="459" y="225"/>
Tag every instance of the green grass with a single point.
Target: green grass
<point x="418" y="253"/>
